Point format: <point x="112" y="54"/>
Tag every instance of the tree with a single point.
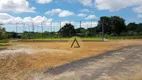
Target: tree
<point x="112" y="25"/>
<point x="80" y="32"/>
<point x="106" y="22"/>
<point x="90" y="32"/>
<point x="132" y="26"/>
<point x="67" y="30"/>
<point x="3" y="34"/>
<point x="118" y="24"/>
<point x="139" y="28"/>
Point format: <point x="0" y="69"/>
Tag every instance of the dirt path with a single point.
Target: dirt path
<point x="122" y="64"/>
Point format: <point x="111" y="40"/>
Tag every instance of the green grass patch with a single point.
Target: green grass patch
<point x="58" y="39"/>
<point x="4" y="43"/>
<point x="63" y="39"/>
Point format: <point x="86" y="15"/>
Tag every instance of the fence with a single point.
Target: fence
<point x="50" y="30"/>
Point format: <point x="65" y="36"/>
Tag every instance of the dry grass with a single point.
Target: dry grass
<point x="19" y="66"/>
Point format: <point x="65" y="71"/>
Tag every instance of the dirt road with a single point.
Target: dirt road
<point x="122" y="64"/>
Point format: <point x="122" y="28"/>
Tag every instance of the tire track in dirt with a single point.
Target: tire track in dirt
<point x="122" y="64"/>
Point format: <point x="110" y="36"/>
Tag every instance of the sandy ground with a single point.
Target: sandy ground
<point x="122" y="64"/>
<point x="24" y="59"/>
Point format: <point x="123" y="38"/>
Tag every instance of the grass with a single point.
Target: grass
<point x="64" y="39"/>
<point x="4" y="43"/>
<point x="123" y="37"/>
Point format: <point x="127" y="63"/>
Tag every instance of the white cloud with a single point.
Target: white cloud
<point x="85" y="10"/>
<point x="8" y="19"/>
<point x="89" y="24"/>
<point x="65" y="13"/>
<point x="140" y="16"/>
<point x="91" y="17"/>
<point x="18" y="19"/>
<point x="53" y="12"/>
<point x="15" y="6"/>
<point x="86" y="2"/>
<point x="43" y="1"/>
<point x="59" y="12"/>
<point x="83" y="2"/>
<point x="138" y="9"/>
<point x="37" y="19"/>
<point x="115" y="5"/>
<point x="5" y="16"/>
<point x="27" y="19"/>
<point x="81" y="15"/>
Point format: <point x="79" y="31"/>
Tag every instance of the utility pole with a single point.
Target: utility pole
<point x="51" y="31"/>
<point x="23" y="27"/>
<point x="42" y="30"/>
<point x="91" y="28"/>
<point x="33" y="30"/>
<point x="80" y="23"/>
<point x="41" y="27"/>
<point x="60" y="29"/>
<point x="103" y="30"/>
<point x="16" y="27"/>
<point x="33" y="27"/>
<point x="29" y="27"/>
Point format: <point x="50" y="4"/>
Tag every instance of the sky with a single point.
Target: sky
<point x="26" y="12"/>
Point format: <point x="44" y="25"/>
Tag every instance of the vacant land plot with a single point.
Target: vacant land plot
<point x="24" y="59"/>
